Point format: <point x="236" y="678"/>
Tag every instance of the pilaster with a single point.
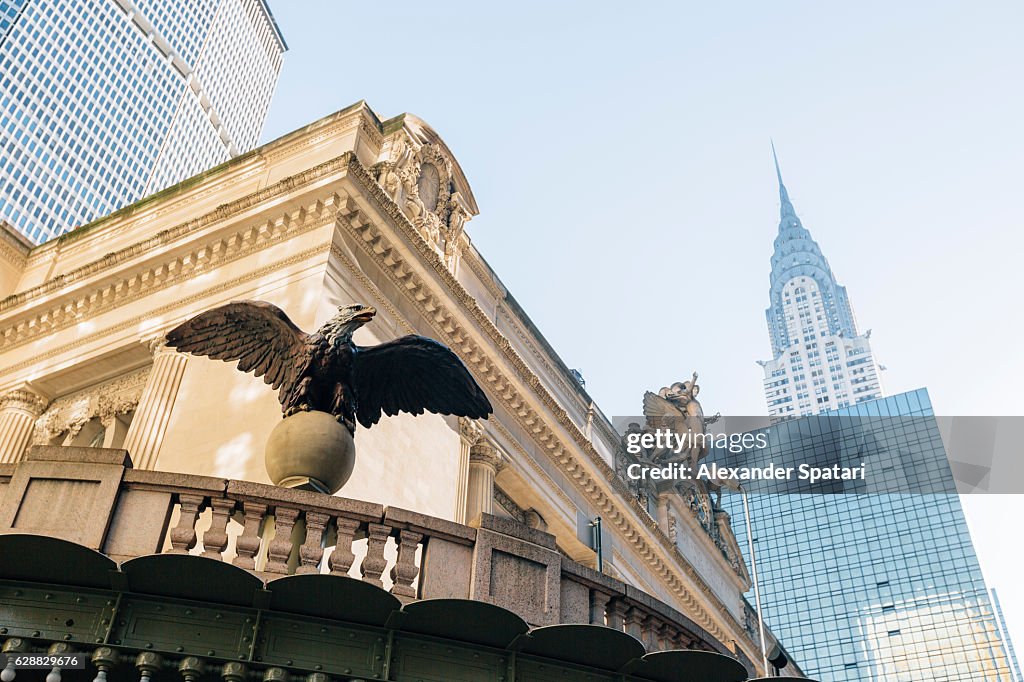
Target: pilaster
<point x="146" y="433"/>
<point x="19" y="410"/>
<point x="483" y="466"/>
<point x="469" y="433"/>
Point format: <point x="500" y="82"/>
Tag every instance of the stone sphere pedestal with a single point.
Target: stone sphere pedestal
<point x="310" y="451"/>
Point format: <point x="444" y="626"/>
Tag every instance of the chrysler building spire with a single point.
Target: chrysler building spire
<point x="786" y="207"/>
<point x="819" y="359"/>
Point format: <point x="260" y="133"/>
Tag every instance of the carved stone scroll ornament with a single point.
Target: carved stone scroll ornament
<point x="68" y="414"/>
<point x="458" y="214"/>
<point x="420" y="179"/>
<point x="388" y="179"/>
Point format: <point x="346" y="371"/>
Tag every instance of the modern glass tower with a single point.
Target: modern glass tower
<point x="104" y="102"/>
<point x="1014" y="665"/>
<point x="819" y="360"/>
<point x="876" y="580"/>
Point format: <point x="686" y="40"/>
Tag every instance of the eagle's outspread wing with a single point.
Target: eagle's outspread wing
<point x="414" y="374"/>
<point x="257" y="334"/>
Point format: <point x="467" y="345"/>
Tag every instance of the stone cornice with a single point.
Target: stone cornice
<point x="77" y="304"/>
<point x="536" y="468"/>
<point x="483" y="273"/>
<point x="176" y="233"/>
<point x="434" y="307"/>
<point x="346" y="120"/>
<point x="168" y="310"/>
<point x="382" y="301"/>
<point x="14" y="248"/>
<point x="531" y="346"/>
<point x="201" y="187"/>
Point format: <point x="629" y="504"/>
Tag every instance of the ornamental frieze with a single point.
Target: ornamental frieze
<point x="68" y="414"/>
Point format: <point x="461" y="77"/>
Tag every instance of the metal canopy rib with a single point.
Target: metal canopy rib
<point x="334" y="597"/>
<point x="591" y="645"/>
<point x="688" y="666"/>
<point x="191" y="577"/>
<point x="43" y="559"/>
<point x="464" y="620"/>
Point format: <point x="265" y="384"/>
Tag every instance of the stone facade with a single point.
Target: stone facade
<point x="347" y="209"/>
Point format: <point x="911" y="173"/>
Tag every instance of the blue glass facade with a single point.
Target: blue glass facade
<point x="875" y="586"/>
<point x="102" y="103"/>
<point x="1014" y="665"/>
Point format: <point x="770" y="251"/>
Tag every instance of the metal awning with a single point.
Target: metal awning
<point x="177" y="613"/>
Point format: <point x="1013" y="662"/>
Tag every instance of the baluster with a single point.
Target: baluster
<point x="183" y="536"/>
<point x="248" y="542"/>
<point x="215" y="540"/>
<point x="405" y="569"/>
<point x="634" y="618"/>
<point x="685" y="641"/>
<point x="651" y="625"/>
<point x="312" y="549"/>
<point x="598" y="605"/>
<point x="281" y="546"/>
<point x="666" y="636"/>
<point x="617" y="615"/>
<point x="374" y="562"/>
<point x="342" y="556"/>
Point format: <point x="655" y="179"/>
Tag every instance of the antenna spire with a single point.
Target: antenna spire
<point x="786" y="208"/>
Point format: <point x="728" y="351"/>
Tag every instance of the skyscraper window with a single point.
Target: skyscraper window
<point x="104" y="103"/>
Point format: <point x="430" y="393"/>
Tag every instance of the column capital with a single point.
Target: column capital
<point x="157" y="344"/>
<point x="25" y="398"/>
<point x="483" y="452"/>
<point x="470" y="430"/>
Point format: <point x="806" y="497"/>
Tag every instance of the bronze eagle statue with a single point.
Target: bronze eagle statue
<point x="325" y="371"/>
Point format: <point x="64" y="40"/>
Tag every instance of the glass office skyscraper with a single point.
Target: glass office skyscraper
<point x="103" y="102"/>
<point x="1014" y="665"/>
<point x="871" y="586"/>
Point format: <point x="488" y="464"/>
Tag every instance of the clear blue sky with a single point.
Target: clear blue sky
<point x="620" y="157"/>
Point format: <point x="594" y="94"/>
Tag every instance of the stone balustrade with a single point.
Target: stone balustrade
<point x="93" y="497"/>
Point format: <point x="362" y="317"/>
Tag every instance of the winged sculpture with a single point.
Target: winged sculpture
<point x="676" y="408"/>
<point x="326" y="372"/>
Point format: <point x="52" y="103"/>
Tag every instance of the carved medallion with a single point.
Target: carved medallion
<point x="429" y="186"/>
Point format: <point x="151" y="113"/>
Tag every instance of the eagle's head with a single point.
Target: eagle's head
<point x="349" y="318"/>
